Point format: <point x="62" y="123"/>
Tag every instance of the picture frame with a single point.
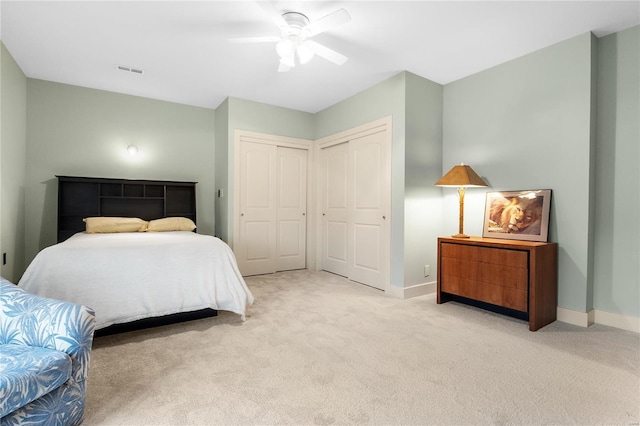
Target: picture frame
<point x="517" y="215"/>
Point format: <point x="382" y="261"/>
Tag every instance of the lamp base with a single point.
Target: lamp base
<point x="460" y="236"/>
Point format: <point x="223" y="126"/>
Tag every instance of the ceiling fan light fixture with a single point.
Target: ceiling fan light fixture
<point x="294" y="45"/>
<point x="286" y="48"/>
<point x="288" y="61"/>
<point x="305" y="53"/>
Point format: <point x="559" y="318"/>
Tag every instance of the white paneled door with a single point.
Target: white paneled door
<point x="291" y="215"/>
<point x="255" y="248"/>
<point x="355" y="194"/>
<point x="272" y="192"/>
<point x="335" y="161"/>
<point x="368" y="241"/>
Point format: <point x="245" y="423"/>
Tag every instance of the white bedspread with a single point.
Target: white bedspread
<point x="135" y="275"/>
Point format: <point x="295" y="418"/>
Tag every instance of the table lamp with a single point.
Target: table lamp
<point x="461" y="177"/>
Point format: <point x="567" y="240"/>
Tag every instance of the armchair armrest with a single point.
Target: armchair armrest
<point x="33" y="320"/>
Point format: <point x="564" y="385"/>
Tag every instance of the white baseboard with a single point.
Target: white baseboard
<point x="570" y="316"/>
<point x="594" y="316"/>
<point x="412" y="291"/>
<point x="581" y="319"/>
<point x="617" y="320"/>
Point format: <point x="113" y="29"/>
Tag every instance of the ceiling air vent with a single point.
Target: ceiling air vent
<point x="129" y="69"/>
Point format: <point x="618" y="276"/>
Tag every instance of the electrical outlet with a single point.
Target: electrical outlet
<point x="427" y="270"/>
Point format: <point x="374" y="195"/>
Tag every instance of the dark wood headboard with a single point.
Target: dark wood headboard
<point x="80" y="197"/>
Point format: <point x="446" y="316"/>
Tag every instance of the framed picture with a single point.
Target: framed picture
<point x="517" y="215"/>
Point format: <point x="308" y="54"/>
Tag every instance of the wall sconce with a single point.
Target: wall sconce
<point x="461" y="176"/>
<point x="132" y="150"/>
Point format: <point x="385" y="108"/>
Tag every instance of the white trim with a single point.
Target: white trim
<point x="616" y="320"/>
<point x="277" y="140"/>
<point x="412" y="291"/>
<point x="376" y="126"/>
<point x="581" y="319"/>
<point x="594" y="316"/>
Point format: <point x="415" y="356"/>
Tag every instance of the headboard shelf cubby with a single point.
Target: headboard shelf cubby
<point x="80" y="197"/>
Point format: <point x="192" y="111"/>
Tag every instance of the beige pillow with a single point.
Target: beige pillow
<point x="104" y="225"/>
<point x="171" y="224"/>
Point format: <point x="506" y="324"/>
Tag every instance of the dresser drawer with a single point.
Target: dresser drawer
<point x="493" y="256"/>
<point x="506" y="296"/>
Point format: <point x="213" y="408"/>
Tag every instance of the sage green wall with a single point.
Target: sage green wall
<point x="526" y="124"/>
<point x="13" y="145"/>
<point x="384" y="99"/>
<point x="85" y="132"/>
<point x="262" y="118"/>
<point x="222" y="171"/>
<point x="617" y="231"/>
<point x="423" y="165"/>
<point x="269" y="119"/>
<point x="592" y="169"/>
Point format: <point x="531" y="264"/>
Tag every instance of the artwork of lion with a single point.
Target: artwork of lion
<point x="516" y="215"/>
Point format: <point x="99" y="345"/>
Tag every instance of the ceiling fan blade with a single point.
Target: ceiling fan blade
<point x="273" y="13"/>
<point x="259" y="39"/>
<point x="326" y="53"/>
<point x="329" y="21"/>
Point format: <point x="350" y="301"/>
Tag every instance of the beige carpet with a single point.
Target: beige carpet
<point x="317" y="349"/>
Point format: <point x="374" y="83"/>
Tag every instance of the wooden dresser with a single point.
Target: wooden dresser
<point x="517" y="278"/>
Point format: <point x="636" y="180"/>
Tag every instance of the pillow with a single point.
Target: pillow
<point x="105" y="225"/>
<point x="171" y="224"/>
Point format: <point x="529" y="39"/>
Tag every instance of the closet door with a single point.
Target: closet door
<point x="271" y="232"/>
<point x="291" y="209"/>
<point x="355" y="197"/>
<point x="335" y="162"/>
<point x="368" y="225"/>
<point x="256" y="242"/>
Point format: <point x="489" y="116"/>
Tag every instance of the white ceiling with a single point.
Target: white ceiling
<point x="183" y="47"/>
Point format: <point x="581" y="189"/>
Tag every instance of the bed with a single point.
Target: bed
<point x="130" y="276"/>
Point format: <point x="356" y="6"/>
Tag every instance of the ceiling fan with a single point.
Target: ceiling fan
<point x="295" y="31"/>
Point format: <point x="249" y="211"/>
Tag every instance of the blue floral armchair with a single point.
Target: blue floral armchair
<point x="45" y="346"/>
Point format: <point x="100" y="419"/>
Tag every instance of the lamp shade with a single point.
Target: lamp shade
<point x="461" y="176"/>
